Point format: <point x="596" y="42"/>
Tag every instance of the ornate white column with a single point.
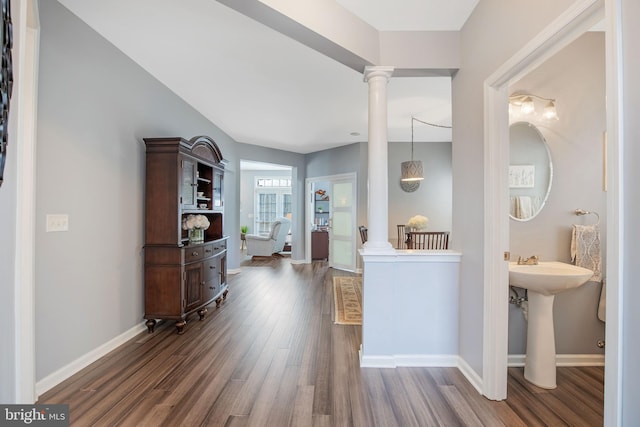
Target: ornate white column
<point x="378" y="197"/>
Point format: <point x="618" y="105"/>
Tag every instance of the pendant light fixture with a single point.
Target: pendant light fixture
<point x="411" y="170"/>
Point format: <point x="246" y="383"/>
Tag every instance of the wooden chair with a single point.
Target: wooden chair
<point x="402" y="237"/>
<point x="428" y="240"/>
<point x="363" y="233"/>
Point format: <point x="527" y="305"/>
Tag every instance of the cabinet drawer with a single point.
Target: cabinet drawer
<point x="219" y="246"/>
<point x="193" y="253"/>
<point x="208" y="250"/>
<point x="211" y="268"/>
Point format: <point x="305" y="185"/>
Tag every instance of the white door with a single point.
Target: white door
<point x="342" y="224"/>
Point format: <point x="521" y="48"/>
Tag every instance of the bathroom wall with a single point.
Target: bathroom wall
<point x="494" y="32"/>
<point x="575" y="77"/>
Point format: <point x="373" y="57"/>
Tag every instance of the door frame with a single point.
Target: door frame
<point x="24" y="117"/>
<point x="579" y="18"/>
<point x="308" y="202"/>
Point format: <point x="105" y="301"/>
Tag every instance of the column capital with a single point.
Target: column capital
<point x="377" y="71"/>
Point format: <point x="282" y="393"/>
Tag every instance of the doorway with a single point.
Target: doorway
<point x="331" y="212"/>
<point x="266" y="193"/>
<point x="578" y="19"/>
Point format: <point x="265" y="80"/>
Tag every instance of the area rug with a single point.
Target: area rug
<point x="347" y="296"/>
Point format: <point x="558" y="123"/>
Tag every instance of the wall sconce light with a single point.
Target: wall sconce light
<point x="412" y="169"/>
<point x="527" y="106"/>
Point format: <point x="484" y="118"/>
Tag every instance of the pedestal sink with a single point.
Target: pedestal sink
<point x="543" y="281"/>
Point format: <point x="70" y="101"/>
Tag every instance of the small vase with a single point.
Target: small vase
<point x="196" y="235"/>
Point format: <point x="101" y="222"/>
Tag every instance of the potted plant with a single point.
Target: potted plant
<point x="243" y="231"/>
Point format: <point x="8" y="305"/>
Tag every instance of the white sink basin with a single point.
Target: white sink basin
<point x="548" y="277"/>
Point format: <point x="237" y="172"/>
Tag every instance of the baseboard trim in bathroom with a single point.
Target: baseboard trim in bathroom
<point x="515" y="360"/>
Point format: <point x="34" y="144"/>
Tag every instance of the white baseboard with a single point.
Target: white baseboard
<point x="82" y="362"/>
<point x="409" y="360"/>
<point x="517" y="360"/>
<point x="471" y="375"/>
<point x="299" y="261"/>
<point x="423" y="361"/>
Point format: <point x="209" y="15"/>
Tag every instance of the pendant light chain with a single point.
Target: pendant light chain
<point x="412" y="171"/>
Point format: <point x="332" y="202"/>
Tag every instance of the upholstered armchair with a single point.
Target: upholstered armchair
<point x="272" y="243"/>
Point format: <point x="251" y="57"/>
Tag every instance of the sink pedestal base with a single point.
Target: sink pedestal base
<point x="540" y="362"/>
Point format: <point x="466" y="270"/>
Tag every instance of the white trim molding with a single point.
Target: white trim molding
<point x="26" y="95"/>
<point x="409" y="360"/>
<point x="517" y="360"/>
<point x="82" y="362"/>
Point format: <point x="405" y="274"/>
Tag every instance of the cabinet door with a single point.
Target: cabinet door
<point x="223" y="270"/>
<point x="217" y="189"/>
<point x="211" y="277"/>
<point x="188" y="183"/>
<point x="319" y="245"/>
<point x="193" y="286"/>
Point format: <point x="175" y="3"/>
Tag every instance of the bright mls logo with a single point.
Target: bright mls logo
<point x="34" y="415"/>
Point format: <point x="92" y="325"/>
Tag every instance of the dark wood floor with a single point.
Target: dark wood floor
<point x="271" y="355"/>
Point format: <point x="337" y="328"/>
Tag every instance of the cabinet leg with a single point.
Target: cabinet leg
<point x="202" y="313"/>
<point x="151" y="324"/>
<point x="218" y="302"/>
<point x="180" y="326"/>
<point x="224" y="294"/>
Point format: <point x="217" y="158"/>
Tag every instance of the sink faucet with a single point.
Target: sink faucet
<point x="532" y="260"/>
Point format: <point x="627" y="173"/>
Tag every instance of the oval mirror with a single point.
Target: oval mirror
<point x="530" y="171"/>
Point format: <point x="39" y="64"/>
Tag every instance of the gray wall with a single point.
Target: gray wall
<point x="8" y="308"/>
<point x="346" y="159"/>
<point x="95" y="106"/>
<point x="575" y="77"/>
<point x="630" y="226"/>
<point x="432" y="199"/>
<point x="494" y="32"/>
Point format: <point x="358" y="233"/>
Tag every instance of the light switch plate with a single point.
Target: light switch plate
<point x="57" y="222"/>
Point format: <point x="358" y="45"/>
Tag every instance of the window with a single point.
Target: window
<point x="273" y="200"/>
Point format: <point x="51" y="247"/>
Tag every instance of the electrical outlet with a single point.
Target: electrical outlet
<point x="57" y="222"/>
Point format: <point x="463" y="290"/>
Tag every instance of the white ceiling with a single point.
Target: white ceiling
<point x="412" y="15"/>
<point x="264" y="88"/>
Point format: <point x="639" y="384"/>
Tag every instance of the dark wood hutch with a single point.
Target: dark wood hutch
<point x="183" y="177"/>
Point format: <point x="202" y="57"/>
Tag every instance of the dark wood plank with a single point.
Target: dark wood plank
<point x="271" y="355"/>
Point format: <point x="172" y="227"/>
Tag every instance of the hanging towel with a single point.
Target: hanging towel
<point x="585" y="249"/>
